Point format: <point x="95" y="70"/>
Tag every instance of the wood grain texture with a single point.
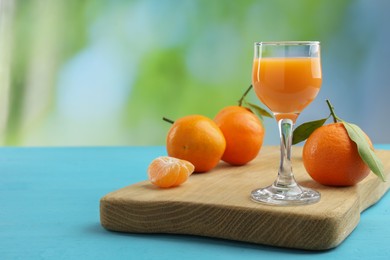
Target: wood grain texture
<point x="217" y="204"/>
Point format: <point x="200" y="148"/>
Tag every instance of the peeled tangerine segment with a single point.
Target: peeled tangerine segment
<point x="166" y="171"/>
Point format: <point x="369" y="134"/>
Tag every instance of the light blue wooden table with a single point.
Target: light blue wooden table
<point x="49" y="209"/>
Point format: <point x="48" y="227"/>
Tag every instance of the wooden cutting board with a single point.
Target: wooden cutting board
<point x="217" y="204"/>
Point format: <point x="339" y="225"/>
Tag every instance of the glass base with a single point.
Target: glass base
<point x="284" y="196"/>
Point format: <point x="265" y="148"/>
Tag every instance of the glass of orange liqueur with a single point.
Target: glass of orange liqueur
<point x="286" y="77"/>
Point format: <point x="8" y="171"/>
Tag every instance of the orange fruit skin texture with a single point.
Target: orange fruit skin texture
<point x="197" y="139"/>
<point x="166" y="172"/>
<point x="331" y="157"/>
<point x="244" y="134"/>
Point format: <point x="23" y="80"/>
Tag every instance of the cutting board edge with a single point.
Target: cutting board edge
<point x="112" y="211"/>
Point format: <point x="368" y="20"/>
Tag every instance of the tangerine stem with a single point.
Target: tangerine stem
<point x="244" y="95"/>
<point x="168" y="120"/>
<point x="331" y="108"/>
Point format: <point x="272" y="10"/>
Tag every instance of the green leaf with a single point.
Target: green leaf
<point x="303" y="131"/>
<point x="366" y="153"/>
<point x="258" y="110"/>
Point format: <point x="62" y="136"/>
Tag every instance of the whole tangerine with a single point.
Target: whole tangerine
<point x="244" y="134"/>
<point x="332" y="158"/>
<point x="197" y="139"/>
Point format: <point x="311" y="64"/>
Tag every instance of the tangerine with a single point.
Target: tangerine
<point x="197" y="139"/>
<point x="168" y="172"/>
<point x="244" y="134"/>
<point x="332" y="158"/>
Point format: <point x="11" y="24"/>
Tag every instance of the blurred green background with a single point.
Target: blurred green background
<point x="96" y="72"/>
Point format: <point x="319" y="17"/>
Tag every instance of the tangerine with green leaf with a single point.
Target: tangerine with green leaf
<point x="243" y="131"/>
<point x="332" y="158"/>
<point x="244" y="134"/>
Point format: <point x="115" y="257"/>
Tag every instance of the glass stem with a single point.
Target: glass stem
<point x="285" y="175"/>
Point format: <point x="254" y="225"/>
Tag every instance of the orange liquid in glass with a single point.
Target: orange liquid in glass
<point x="287" y="85"/>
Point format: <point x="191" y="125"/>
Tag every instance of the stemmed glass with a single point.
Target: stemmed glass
<point x="286" y="77"/>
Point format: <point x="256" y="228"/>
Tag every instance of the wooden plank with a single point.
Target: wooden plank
<point x="217" y="204"/>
